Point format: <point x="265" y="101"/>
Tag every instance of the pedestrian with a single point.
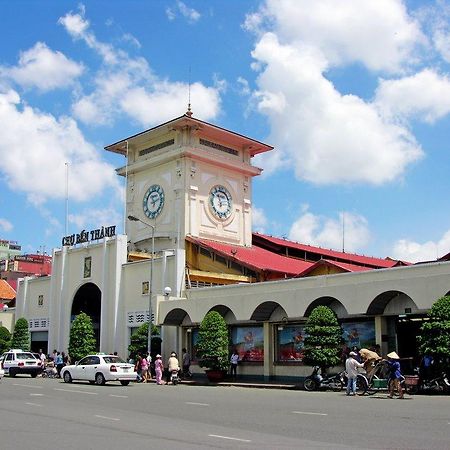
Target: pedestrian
<point x="186" y="361"/>
<point x="144" y="369"/>
<point x="395" y="375"/>
<point x="54" y="355"/>
<point x="66" y="359"/>
<point x="137" y="368"/>
<point x="234" y="363"/>
<point x="149" y="365"/>
<point x="59" y="363"/>
<point x="351" y="367"/>
<point x="42" y="358"/>
<point x="159" y="367"/>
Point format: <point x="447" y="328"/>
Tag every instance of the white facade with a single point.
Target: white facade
<point x="173" y="172"/>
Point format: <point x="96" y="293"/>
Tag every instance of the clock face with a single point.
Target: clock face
<point x="153" y="201"/>
<point x="221" y="202"/>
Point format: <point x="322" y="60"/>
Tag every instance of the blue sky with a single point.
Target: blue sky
<point x="354" y="96"/>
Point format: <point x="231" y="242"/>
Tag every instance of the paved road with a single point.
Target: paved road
<point x="45" y="414"/>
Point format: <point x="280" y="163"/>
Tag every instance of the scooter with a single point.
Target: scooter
<point x="317" y="381"/>
<point x="438" y="384"/>
<point x="174" y="377"/>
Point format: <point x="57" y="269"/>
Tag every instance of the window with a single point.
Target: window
<point x="145" y="288"/>
<point x="40" y="300"/>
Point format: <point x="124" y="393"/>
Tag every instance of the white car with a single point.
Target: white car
<point x="99" y="369"/>
<point x="16" y="362"/>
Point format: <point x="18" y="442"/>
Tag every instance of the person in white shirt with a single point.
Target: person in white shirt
<point x="351" y="367"/>
<point x="234" y="363"/>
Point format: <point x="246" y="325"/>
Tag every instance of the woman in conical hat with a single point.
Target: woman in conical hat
<point x="395" y="375"/>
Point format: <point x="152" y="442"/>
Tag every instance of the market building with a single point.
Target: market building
<point x="189" y="248"/>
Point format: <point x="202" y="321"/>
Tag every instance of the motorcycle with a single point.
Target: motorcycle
<point x="317" y="381"/>
<point x="174" y="377"/>
<point x="439" y="384"/>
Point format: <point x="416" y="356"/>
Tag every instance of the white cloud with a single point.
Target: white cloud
<point x="127" y="85"/>
<point x="189" y="13"/>
<point x="377" y="33"/>
<point x="350" y="230"/>
<point x="95" y="218"/>
<point x="5" y="225"/>
<point x="35" y="147"/>
<point x="259" y="220"/>
<point x="326" y="136"/>
<point x="43" y="68"/>
<point x="425" y="95"/>
<point x="407" y="250"/>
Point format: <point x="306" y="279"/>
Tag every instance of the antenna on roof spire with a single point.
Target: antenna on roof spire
<point x="189" y="112"/>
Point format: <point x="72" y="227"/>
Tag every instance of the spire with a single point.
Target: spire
<point x="189" y="112"/>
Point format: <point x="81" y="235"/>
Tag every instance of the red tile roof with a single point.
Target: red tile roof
<point x="255" y="257"/>
<point x="351" y="258"/>
<point x="345" y="266"/>
<point x="6" y="291"/>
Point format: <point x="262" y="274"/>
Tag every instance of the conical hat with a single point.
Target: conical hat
<point x="393" y="355"/>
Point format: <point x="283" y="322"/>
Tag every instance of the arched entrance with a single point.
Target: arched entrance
<point x="88" y="299"/>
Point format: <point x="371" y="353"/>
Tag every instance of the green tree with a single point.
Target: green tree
<point x="5" y="339"/>
<point x="323" y="338"/>
<point x="21" y="335"/>
<point x="81" y="341"/>
<point x="434" y="337"/>
<point x="212" y="344"/>
<point x="139" y="340"/>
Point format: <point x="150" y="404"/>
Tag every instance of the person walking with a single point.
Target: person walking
<point x="144" y="369"/>
<point x="351" y="367"/>
<point x="395" y="375"/>
<point x="186" y="361"/>
<point x="159" y="368"/>
<point x="138" y="368"/>
<point x="59" y="363"/>
<point x="234" y="363"/>
<point x="149" y="364"/>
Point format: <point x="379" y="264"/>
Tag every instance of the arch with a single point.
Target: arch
<point x="225" y="312"/>
<point x="397" y="301"/>
<point x="176" y="317"/>
<point x="264" y="311"/>
<point x="88" y="299"/>
<point x="333" y="303"/>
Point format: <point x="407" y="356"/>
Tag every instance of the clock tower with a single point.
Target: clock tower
<point x="189" y="177"/>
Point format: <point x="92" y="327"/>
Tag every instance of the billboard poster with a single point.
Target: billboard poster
<point x="249" y="343"/>
<point x="359" y="334"/>
<point x="290" y="343"/>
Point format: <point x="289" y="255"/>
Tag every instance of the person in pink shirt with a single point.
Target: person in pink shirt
<point x="159" y="367"/>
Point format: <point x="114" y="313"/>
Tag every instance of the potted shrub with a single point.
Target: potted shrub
<point x="212" y="346"/>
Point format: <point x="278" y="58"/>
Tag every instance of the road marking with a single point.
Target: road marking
<point x="77" y="392"/>
<point x="197" y="404"/>
<point x="118" y="396"/>
<point x="32" y="404"/>
<point x="229" y="438"/>
<point x="28" y="386"/>
<point x="105" y="417"/>
<point x="36" y="395"/>
<point x="309" y="413"/>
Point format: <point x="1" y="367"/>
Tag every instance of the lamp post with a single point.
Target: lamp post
<point x="150" y="288"/>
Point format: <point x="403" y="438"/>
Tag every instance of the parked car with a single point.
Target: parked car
<point x="17" y="362"/>
<point x="99" y="369"/>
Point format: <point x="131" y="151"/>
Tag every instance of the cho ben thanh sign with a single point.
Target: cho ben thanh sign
<point x="87" y="236"/>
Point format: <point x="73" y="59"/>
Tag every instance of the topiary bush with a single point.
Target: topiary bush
<point x="81" y="341"/>
<point x="323" y="340"/>
<point x="139" y="341"/>
<point x="21" y="335"/>
<point x="5" y="339"/>
<point x="434" y="337"/>
<point x="212" y="343"/>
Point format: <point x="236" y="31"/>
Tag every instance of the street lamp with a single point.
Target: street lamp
<point x="150" y="288"/>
